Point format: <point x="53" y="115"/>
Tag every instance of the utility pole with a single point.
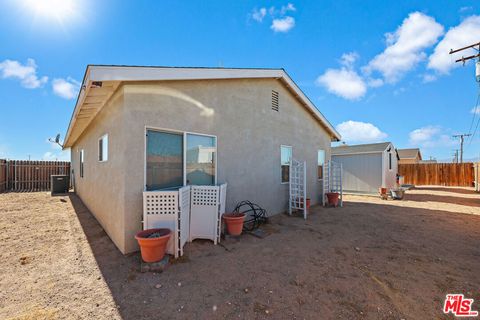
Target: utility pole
<point x="464" y="59"/>
<point x="455" y="156"/>
<point x="461" y="136"/>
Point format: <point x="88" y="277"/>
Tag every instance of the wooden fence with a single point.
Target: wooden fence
<point x="440" y="174"/>
<point x="3" y="175"/>
<point x="25" y="175"/>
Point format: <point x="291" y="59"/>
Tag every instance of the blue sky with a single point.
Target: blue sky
<point x="378" y="70"/>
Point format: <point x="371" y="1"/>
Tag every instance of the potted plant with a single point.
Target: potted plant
<point x="308" y="203"/>
<point x="234" y="222"/>
<point x="332" y="198"/>
<point x="153" y="243"/>
<point x="383" y="193"/>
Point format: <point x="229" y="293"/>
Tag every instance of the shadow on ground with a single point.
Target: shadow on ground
<point x="446" y="189"/>
<point x="361" y="261"/>
<point x="471" y="202"/>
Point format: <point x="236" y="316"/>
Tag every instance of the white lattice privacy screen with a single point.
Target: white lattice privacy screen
<point x="332" y="180"/>
<point x="298" y="187"/>
<point x="160" y="210"/>
<point x="192" y="212"/>
<point x="204" y="212"/>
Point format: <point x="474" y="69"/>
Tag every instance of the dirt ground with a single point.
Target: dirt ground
<point x="371" y="259"/>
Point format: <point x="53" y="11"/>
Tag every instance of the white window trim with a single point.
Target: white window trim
<point x="184" y="133"/>
<point x="390" y="161"/>
<point x="103" y="149"/>
<point x="291" y="157"/>
<point x="324" y="159"/>
<point x="81" y="167"/>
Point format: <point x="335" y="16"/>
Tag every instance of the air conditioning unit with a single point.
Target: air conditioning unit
<point x="60" y="183"/>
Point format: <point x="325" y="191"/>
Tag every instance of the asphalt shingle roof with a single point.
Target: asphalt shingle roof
<point x="360" y="148"/>
<point x="408" y="153"/>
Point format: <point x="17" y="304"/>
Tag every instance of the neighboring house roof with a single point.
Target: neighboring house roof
<point x="428" y="161"/>
<point x="409" y="153"/>
<point x="101" y="81"/>
<point x="361" y="148"/>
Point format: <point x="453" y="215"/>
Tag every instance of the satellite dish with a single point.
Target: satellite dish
<point x="56" y="140"/>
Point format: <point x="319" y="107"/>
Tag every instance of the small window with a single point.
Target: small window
<point x="285" y="159"/>
<point x="103" y="148"/>
<point x="81" y="162"/>
<point x="274" y="100"/>
<point x="390" y="161"/>
<point x="321" y="163"/>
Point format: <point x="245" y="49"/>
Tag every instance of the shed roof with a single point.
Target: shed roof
<point x="101" y="81"/>
<point x="409" y="153"/>
<point x="361" y="148"/>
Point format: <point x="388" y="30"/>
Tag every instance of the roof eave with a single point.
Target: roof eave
<point x="129" y="73"/>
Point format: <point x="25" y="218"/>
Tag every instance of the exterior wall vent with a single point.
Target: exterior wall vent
<point x="274" y="100"/>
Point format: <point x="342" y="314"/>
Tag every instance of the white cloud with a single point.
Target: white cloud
<point x="429" y="78"/>
<point x="26" y="73"/>
<point x="280" y="21"/>
<point x="475" y="110"/>
<point x="56" y="156"/>
<point x="53" y="145"/>
<point x="360" y="132"/>
<point x="349" y="59"/>
<point x="405" y="46"/>
<point x="375" y="83"/>
<point x="430" y="137"/>
<point x="464" y="9"/>
<point x="3" y="151"/>
<point x="283" y="24"/>
<point x="66" y="88"/>
<point x="288" y="7"/>
<point x="344" y="83"/>
<point x="462" y="35"/>
<point x="259" y="14"/>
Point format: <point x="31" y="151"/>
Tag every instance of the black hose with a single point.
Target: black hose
<point x="254" y="214"/>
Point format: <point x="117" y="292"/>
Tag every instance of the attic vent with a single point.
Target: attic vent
<point x="274" y="100"/>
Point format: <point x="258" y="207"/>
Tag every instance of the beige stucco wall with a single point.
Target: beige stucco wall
<point x="102" y="187"/>
<point x="238" y="112"/>
<point x="249" y="136"/>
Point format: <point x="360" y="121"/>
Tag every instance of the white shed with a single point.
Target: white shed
<point x="367" y="167"/>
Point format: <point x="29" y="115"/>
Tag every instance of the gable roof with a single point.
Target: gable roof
<point x="409" y="153"/>
<point x="361" y="148"/>
<point x="101" y="81"/>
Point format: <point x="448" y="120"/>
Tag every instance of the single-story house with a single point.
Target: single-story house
<point x="409" y="156"/>
<point x="137" y="129"/>
<point x="367" y="167"/>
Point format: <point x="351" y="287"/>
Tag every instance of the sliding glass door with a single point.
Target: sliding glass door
<point x="178" y="159"/>
<point x="200" y="163"/>
<point x="164" y="160"/>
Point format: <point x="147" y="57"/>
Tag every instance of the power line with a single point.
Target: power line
<point x="464" y="59"/>
<point x="475" y="46"/>
<point x="475" y="110"/>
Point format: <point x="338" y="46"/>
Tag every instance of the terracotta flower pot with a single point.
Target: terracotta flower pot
<point x="308" y="203"/>
<point x="234" y="222"/>
<point x="153" y="243"/>
<point x="383" y="193"/>
<point x="332" y="198"/>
